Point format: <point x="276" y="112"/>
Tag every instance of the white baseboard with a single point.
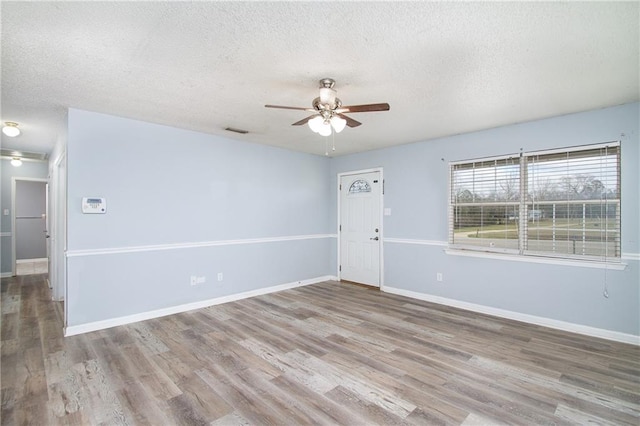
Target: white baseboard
<point x="39" y="259"/>
<point x="113" y="322"/>
<point x="531" y="319"/>
<point x="6" y="274"/>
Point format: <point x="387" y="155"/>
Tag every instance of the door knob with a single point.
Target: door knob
<point x="374" y="239"/>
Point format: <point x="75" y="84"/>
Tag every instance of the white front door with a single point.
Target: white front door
<point x="360" y="233"/>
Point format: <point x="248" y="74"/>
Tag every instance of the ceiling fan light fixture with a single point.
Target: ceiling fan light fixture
<point x="328" y="117"/>
<point x="16" y="162"/>
<point x="327" y="96"/>
<point x="11" y="129"/>
<point x="315" y="123"/>
<point x="338" y="123"/>
<point x="325" y="129"/>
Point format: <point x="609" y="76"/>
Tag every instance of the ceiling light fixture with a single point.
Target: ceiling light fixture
<point x="11" y="129"/>
<point x="315" y="123"/>
<point x="325" y="129"/>
<point x="328" y="112"/>
<point x="338" y="123"/>
<point x="16" y="162"/>
<point x="322" y="124"/>
<point x="326" y="104"/>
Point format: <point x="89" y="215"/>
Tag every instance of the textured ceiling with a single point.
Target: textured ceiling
<point x="444" y="67"/>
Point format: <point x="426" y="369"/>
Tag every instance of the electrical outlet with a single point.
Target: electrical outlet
<point x="198" y="280"/>
<point x="439" y="276"/>
<point x="220" y="276"/>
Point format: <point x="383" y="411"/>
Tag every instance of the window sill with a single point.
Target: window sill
<point x="618" y="266"/>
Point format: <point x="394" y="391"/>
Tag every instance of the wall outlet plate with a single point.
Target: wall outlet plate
<point x="195" y="280"/>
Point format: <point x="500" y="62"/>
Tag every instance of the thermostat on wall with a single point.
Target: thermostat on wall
<point x="94" y="205"/>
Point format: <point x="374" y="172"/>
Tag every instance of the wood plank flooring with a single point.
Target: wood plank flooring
<point x="330" y="353"/>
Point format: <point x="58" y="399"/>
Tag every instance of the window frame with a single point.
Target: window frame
<point x="523" y="207"/>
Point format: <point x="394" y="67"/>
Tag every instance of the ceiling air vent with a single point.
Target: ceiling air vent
<point x="242" y="132"/>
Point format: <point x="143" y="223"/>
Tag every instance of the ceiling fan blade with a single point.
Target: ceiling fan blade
<point x="304" y="120"/>
<point x="350" y="121"/>
<point x="290" y="107"/>
<point x="364" y="108"/>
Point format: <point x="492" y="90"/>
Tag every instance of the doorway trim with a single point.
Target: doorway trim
<point x="58" y="209"/>
<point x="13" y="215"/>
<point x="381" y="219"/>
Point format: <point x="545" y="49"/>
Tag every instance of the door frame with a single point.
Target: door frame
<point x="381" y="221"/>
<point x="13" y="216"/>
<point x="58" y="230"/>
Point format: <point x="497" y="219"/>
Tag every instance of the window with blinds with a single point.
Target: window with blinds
<point x="563" y="203"/>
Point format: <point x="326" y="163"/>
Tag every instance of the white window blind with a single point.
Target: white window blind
<point x="562" y="203"/>
<point x="485" y="201"/>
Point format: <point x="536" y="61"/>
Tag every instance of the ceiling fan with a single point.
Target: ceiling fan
<point x="328" y="111"/>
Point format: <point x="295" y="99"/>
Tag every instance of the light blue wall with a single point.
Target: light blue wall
<point x="416" y="185"/>
<point x="29" y="169"/>
<point x="170" y="186"/>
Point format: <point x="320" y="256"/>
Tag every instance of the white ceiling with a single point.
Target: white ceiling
<point x="444" y="67"/>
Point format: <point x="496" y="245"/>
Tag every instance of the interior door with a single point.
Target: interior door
<point x="30" y="210"/>
<point x="360" y="236"/>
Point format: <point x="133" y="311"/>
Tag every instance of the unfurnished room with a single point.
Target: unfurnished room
<point x="328" y="212"/>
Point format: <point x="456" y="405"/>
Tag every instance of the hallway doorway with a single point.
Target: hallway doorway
<point x="30" y="222"/>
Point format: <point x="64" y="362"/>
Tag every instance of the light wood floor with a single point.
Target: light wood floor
<point x="329" y="353"/>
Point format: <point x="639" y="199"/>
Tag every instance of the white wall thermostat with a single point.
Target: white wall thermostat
<point x="94" y="205"/>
